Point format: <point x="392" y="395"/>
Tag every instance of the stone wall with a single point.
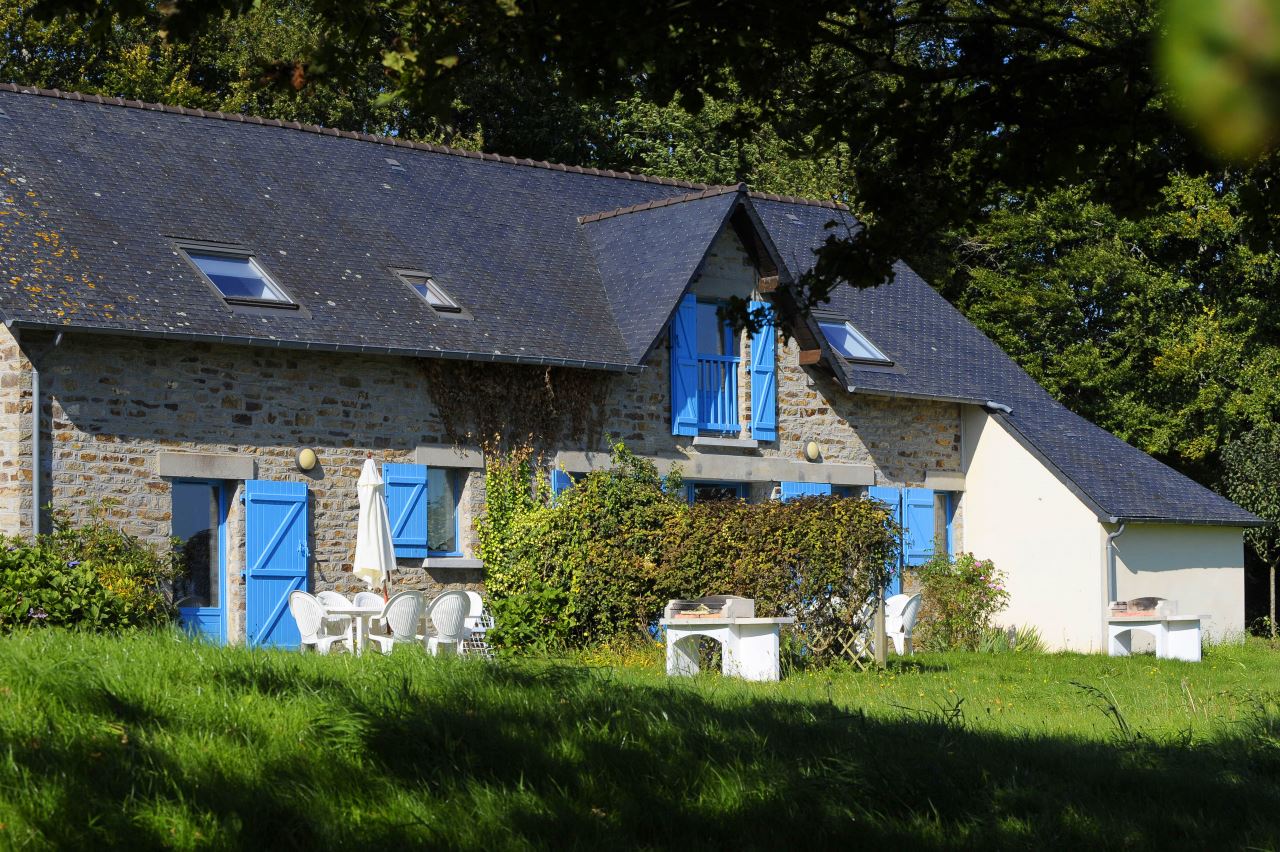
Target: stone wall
<point x="15" y="436"/>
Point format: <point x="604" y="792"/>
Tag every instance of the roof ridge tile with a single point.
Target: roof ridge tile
<point x="665" y="201"/>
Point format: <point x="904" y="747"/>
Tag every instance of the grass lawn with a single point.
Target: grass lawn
<point x="155" y="741"/>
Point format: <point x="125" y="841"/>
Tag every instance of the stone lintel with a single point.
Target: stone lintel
<point x="452" y="562"/>
<point x="944" y="480"/>
<point x="205" y="465"/>
<point x="448" y="456"/>
<point x="726" y="443"/>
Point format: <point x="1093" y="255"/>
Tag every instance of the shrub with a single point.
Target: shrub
<point x="93" y="576"/>
<point x="622" y="542"/>
<point x="960" y="596"/>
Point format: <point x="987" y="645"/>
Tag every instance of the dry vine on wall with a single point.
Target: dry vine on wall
<point x="515" y="405"/>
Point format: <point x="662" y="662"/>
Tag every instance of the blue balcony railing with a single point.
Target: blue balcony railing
<point x="718" y="393"/>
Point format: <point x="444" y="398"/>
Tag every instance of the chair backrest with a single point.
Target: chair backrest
<point x="332" y="599"/>
<point x="476" y="603"/>
<point x="910" y="612"/>
<point x="894" y="604"/>
<point x="401" y="614"/>
<point x="369" y="599"/>
<point x="446" y="615"/>
<point x="308" y="612"/>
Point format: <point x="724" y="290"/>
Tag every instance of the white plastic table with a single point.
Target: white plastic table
<point x="749" y="646"/>
<point x="1177" y="636"/>
<point x="360" y="618"/>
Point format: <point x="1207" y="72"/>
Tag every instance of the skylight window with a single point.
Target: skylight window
<point x="238" y="277"/>
<point x="431" y="292"/>
<point x="850" y="342"/>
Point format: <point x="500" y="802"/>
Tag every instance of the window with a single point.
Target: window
<point x="442" y="512"/>
<point x="717" y="372"/>
<point x="714" y="335"/>
<point x="703" y="492"/>
<point x="238" y="277"/>
<point x="196" y="513"/>
<point x="431" y="292"/>
<point x="850" y="342"/>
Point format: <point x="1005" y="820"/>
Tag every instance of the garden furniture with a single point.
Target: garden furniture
<point x="361" y="615"/>
<point x="310" y="615"/>
<point x="900" y="613"/>
<point x="749" y="646"/>
<point x="401" y="614"/>
<point x="445" y="619"/>
<point x="477" y="623"/>
<point x="372" y="599"/>
<point x="1177" y="636"/>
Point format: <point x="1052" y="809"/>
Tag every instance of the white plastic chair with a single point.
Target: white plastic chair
<point x="445" y="619"/>
<point x="474" y="627"/>
<point x="371" y="599"/>
<point x="334" y="624"/>
<point x="309" y="614"/>
<point x="901" y="612"/>
<point x="400" y="614"/>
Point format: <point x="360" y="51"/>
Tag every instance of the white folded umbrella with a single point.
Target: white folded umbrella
<point x="375" y="552"/>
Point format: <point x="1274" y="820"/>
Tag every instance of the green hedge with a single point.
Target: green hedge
<point x="607" y="555"/>
<point x="93" y="577"/>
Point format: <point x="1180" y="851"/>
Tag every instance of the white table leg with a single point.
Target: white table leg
<point x="1182" y="641"/>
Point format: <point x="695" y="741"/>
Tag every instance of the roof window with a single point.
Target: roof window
<point x="237" y="276"/>
<point x="431" y="292"/>
<point x="850" y="342"/>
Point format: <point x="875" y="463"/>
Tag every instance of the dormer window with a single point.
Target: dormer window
<point x="851" y="343"/>
<point x="429" y="291"/>
<point x="237" y="276"/>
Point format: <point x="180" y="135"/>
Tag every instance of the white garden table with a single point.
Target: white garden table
<point x="360" y="618"/>
<point x="1177" y="636"/>
<point x="749" y="646"/>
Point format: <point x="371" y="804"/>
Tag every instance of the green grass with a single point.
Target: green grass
<point x="154" y="741"/>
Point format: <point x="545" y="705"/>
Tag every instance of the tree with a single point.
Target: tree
<point x="1251" y="477"/>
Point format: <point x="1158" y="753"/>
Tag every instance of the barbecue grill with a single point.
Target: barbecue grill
<point x="712" y="606"/>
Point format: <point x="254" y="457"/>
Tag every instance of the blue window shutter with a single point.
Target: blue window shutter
<point x="684" y="367"/>
<point x="791" y="490"/>
<point x="406" y="489"/>
<point x="917" y="547"/>
<point x="893" y="497"/>
<point x="560" y="482"/>
<point x="764" y="381"/>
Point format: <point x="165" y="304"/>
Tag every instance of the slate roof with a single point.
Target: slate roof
<point x="555" y="264"/>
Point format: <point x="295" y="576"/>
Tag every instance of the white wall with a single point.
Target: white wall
<point x="1200" y="567"/>
<point x="1044" y="538"/>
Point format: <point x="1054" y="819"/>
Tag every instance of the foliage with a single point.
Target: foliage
<point x="93" y="576"/>
<point x="514" y="486"/>
<point x="622" y="542"/>
<point x="1022" y="640"/>
<point x="154" y="741"/>
<point x="1251" y="477"/>
<point x="960" y="596"/>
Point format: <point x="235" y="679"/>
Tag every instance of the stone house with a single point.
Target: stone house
<point x="192" y="300"/>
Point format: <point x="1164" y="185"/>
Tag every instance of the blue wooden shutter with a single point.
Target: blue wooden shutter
<point x="406" y="491"/>
<point x="276" y="559"/>
<point x="560" y="482"/>
<point x="764" y="381"/>
<point x="893" y="497"/>
<point x="917" y="546"/>
<point x="684" y="367"/>
<point x="791" y="490"/>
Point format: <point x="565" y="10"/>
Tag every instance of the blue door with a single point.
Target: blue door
<point x="199" y="520"/>
<point x="276" y="559"/>
<point x="893" y="498"/>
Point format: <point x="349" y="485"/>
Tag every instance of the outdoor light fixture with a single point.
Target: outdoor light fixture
<point x="812" y="451"/>
<point x="306" y="459"/>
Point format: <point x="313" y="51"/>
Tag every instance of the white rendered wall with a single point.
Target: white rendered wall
<point x="1046" y="541"/>
<point x="1201" y="567"/>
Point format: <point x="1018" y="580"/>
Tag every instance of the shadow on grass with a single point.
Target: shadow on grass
<point x="411" y="751"/>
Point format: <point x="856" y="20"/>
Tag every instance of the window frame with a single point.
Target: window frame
<point x="222" y="488"/>
<point x="452" y="476"/>
<point x="742" y="488"/>
<point x="186" y="248"/>
<point x="454" y="309"/>
<point x="853" y="331"/>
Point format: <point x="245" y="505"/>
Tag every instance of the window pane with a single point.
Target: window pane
<point x="237" y="277"/>
<point x="849" y="342"/>
<point x="702" y="492"/>
<point x="710" y="330"/>
<point x="442" y="511"/>
<point x="426" y="287"/>
<point x="195" y="522"/>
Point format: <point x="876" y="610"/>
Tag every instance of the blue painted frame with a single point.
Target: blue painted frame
<point x="453" y="476"/>
<point x="192" y="617"/>
<point x="739" y="487"/>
